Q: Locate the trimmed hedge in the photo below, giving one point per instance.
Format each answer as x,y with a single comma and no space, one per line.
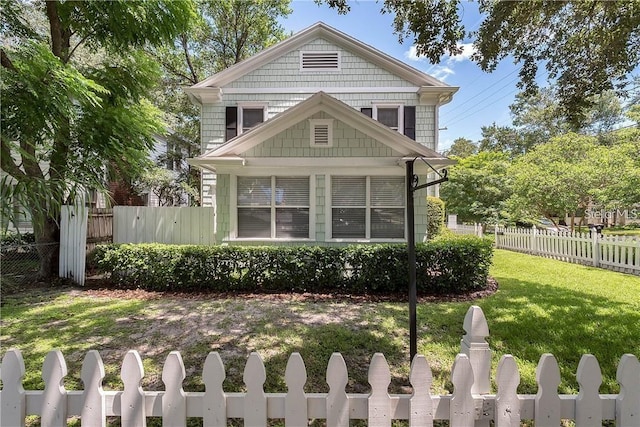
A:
435,216
445,265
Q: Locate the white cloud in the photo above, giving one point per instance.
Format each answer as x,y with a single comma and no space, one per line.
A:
440,72
412,55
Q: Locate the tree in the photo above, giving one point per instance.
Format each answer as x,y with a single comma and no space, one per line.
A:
227,32
462,147
478,187
587,47
504,139
74,104
556,178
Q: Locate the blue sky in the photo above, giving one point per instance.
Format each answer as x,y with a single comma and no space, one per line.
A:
482,99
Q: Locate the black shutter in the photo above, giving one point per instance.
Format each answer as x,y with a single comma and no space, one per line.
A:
367,111
231,122
410,122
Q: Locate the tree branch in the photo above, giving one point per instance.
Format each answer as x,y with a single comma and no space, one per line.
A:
6,62
55,28
7,162
185,48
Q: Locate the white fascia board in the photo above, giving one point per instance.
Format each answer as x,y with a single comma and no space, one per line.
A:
212,164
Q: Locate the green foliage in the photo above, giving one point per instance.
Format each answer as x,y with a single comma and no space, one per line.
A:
74,99
572,171
435,216
452,265
608,31
478,187
461,148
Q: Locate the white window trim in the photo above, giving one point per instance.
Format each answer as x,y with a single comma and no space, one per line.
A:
306,70
367,207
400,108
312,134
243,105
233,210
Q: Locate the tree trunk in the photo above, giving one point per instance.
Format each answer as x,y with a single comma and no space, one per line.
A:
47,237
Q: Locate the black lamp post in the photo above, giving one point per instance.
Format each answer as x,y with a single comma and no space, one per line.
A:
412,187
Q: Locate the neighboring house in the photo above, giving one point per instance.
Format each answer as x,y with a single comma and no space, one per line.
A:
306,142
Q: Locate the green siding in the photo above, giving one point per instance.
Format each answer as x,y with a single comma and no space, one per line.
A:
223,200
296,142
285,72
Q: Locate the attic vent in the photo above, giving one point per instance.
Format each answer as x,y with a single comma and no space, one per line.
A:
319,61
321,132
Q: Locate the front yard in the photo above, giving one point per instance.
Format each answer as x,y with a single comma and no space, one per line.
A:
542,306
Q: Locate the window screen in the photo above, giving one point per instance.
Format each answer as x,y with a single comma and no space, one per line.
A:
271,207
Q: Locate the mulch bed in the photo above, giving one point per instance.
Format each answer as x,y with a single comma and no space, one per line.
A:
99,288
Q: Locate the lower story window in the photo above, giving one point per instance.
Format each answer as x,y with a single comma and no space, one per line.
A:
365,207
273,207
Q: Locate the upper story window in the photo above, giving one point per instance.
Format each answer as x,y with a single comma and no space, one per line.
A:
401,118
321,132
247,115
319,61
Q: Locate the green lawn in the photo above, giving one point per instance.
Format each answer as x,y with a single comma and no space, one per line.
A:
542,306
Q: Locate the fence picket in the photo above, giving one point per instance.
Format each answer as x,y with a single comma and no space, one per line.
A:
588,402
54,402
547,405
507,401
14,402
379,400
462,411
174,403
255,401
337,400
295,402
420,404
92,374
215,401
628,401
132,407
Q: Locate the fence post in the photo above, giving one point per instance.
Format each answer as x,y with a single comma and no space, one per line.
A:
534,240
475,346
595,248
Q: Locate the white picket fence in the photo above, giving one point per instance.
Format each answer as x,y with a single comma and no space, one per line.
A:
618,253
469,405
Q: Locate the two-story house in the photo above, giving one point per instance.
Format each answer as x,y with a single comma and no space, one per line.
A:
306,142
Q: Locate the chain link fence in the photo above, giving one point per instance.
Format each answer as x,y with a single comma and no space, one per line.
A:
20,263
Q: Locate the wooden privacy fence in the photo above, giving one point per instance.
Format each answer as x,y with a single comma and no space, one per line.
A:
469,405
618,253
171,225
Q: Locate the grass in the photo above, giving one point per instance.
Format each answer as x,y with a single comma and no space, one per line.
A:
542,306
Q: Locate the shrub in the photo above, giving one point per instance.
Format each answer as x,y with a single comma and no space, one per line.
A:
435,216
444,265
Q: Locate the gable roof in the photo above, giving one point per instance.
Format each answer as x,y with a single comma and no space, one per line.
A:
320,101
321,30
